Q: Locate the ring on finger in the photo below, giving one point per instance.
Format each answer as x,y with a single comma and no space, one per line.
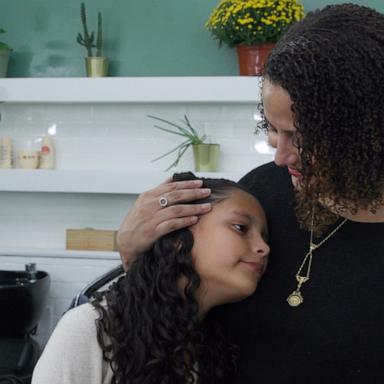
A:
163,201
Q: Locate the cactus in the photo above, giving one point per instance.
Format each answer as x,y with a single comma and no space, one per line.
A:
99,39
88,39
4,46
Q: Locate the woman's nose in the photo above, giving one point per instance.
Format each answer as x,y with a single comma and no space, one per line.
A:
286,153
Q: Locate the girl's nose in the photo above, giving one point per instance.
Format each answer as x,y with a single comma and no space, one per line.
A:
261,248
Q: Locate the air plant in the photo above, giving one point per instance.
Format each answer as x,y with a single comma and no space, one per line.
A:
187,131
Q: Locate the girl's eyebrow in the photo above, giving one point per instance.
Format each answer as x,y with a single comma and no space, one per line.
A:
245,215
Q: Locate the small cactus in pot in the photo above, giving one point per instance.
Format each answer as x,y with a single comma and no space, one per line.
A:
96,65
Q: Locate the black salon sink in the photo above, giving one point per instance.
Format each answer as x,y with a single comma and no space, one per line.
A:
23,296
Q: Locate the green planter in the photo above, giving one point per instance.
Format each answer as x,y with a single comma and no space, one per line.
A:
206,157
4,59
96,66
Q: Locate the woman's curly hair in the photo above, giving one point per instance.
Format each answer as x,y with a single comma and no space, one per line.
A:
150,331
332,66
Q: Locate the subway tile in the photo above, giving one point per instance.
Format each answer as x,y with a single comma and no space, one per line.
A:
234,112
204,112
67,112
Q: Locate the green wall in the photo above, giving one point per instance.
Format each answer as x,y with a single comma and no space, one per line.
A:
142,37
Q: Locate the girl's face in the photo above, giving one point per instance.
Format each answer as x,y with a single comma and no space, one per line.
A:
230,250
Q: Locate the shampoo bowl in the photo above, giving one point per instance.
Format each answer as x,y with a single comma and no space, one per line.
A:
23,296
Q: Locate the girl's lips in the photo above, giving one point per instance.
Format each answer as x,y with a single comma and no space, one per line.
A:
294,172
256,267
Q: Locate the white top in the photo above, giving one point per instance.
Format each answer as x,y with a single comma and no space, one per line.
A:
73,355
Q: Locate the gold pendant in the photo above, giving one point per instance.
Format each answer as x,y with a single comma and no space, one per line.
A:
295,299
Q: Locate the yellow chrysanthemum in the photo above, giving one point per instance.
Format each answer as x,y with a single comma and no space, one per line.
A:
253,21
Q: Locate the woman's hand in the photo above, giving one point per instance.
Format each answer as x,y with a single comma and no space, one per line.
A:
148,220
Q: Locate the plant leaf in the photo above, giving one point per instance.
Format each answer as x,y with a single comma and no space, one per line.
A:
169,130
179,155
190,126
181,129
172,150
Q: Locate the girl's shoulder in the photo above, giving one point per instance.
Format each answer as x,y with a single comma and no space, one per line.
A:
72,354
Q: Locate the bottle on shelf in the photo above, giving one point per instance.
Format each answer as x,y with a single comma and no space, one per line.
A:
47,153
6,152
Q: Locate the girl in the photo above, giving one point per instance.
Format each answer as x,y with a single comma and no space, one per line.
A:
152,325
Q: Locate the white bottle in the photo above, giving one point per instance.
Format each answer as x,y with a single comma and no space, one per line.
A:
47,153
6,152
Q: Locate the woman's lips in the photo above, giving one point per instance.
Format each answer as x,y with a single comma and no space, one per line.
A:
294,172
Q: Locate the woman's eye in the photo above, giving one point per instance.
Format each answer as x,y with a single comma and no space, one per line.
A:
272,139
240,228
271,129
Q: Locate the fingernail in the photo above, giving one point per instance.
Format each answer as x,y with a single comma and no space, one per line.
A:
206,207
205,191
198,183
194,219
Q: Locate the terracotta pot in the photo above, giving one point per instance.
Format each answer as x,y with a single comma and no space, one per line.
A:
252,58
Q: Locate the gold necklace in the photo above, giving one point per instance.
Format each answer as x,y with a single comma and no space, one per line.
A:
296,298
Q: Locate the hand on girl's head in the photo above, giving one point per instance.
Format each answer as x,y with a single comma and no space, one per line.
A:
147,221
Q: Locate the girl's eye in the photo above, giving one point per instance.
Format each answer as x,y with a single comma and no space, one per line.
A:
240,228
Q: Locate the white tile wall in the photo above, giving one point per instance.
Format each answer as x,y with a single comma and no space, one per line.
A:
103,136
121,136
39,220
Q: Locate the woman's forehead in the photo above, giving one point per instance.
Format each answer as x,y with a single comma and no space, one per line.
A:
277,106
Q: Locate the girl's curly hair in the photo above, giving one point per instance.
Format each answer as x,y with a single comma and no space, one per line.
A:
332,65
150,331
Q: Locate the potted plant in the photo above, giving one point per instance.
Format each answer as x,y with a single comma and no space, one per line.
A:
96,65
5,52
253,27
206,156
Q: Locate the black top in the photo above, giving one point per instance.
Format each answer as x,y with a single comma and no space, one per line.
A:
337,334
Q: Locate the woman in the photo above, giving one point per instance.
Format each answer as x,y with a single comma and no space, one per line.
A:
151,326
317,316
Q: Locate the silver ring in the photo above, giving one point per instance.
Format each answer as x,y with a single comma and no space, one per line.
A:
163,201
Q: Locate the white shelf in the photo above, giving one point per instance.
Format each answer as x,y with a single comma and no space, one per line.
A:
89,181
58,253
239,89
